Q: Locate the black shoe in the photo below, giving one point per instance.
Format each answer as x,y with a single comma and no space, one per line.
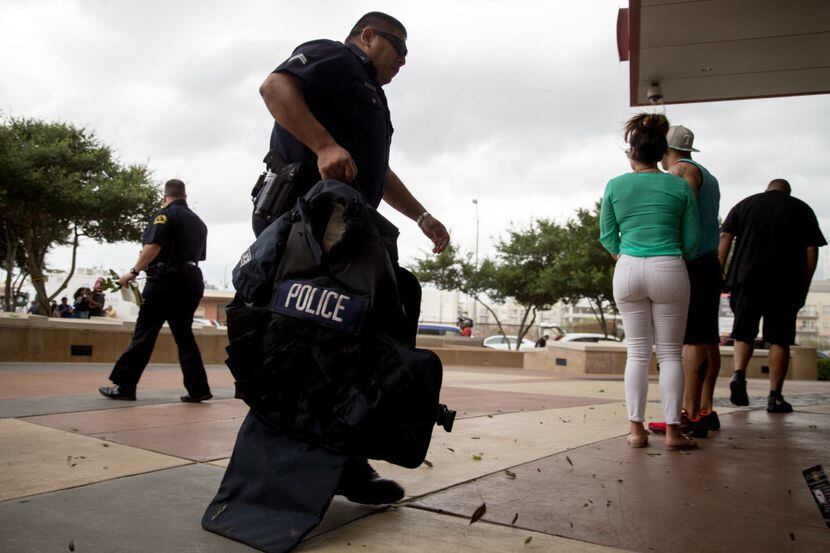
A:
697,428
711,420
361,484
117,392
737,389
778,405
187,398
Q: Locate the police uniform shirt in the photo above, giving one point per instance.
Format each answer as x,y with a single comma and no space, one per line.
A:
181,234
340,86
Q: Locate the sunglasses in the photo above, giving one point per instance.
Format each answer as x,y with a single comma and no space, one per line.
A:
397,43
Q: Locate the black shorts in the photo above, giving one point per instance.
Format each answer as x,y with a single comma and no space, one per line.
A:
778,306
704,300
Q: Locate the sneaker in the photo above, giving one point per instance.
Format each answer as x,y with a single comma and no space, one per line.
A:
696,428
737,389
657,427
778,405
711,420
117,392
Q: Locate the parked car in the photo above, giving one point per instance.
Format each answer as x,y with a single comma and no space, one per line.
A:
499,342
587,337
200,321
436,329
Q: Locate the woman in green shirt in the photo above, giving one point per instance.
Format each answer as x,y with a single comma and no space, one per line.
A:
649,222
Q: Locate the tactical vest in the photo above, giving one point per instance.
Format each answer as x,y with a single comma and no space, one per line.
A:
319,346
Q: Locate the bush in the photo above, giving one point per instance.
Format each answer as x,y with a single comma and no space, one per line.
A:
824,369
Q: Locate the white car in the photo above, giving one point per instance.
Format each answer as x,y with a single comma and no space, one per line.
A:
499,342
200,322
587,337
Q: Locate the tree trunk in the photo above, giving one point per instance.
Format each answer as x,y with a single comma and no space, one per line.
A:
598,314
522,331
33,264
603,321
17,285
493,313
71,272
11,258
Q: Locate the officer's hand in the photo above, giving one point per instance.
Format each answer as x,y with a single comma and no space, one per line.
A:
125,278
436,232
334,162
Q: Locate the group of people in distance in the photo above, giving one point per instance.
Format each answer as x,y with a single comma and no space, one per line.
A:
671,258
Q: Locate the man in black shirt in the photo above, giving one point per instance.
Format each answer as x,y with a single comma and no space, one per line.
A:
174,243
776,251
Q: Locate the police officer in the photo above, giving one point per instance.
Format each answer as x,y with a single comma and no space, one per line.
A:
174,243
331,115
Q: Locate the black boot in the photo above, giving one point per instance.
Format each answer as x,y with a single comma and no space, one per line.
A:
361,484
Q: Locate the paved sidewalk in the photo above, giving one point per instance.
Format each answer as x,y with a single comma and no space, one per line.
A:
545,453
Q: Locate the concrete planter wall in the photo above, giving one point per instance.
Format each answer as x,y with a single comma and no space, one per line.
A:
99,340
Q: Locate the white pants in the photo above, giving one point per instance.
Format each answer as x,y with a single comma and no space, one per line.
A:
652,295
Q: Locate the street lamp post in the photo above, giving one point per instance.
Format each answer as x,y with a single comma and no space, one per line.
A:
475,304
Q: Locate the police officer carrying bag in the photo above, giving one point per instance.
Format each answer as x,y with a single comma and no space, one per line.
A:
322,349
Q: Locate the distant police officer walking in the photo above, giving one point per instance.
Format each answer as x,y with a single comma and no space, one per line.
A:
174,243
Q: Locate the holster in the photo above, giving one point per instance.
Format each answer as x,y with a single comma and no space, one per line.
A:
277,189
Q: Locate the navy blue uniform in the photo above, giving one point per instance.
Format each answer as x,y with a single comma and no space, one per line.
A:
172,293
339,83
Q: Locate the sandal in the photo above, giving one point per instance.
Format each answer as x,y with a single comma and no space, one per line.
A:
637,442
687,443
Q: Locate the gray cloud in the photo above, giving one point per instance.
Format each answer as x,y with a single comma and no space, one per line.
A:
519,107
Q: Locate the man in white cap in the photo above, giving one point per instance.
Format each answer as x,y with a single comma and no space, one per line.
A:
701,353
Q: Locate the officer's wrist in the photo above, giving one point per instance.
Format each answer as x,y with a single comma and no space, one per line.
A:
421,218
134,272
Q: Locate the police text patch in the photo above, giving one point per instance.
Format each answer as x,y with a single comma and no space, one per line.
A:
324,305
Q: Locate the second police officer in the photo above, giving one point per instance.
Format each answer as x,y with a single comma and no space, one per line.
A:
174,243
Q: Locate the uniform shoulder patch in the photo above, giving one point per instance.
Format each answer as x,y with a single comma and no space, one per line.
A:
160,220
246,258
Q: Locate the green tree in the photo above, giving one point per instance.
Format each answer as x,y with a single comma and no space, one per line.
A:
59,183
586,270
454,270
527,269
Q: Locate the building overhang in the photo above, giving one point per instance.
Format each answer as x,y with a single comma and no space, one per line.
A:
710,50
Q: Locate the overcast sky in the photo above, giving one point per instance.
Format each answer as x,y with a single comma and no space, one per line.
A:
522,110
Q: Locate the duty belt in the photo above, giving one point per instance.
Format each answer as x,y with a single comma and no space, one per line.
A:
160,269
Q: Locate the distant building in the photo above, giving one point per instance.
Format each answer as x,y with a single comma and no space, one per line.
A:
813,323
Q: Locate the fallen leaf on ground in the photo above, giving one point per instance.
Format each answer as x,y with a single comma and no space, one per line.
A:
515,518
427,463
510,475
527,541
478,513
569,460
